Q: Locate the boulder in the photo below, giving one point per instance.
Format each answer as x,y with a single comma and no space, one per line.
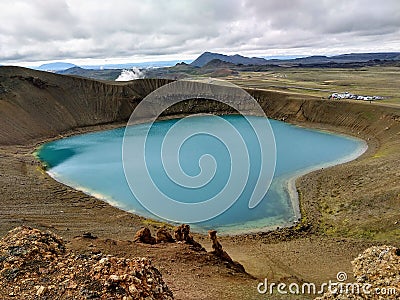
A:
216,245
143,235
182,234
178,233
223,255
163,236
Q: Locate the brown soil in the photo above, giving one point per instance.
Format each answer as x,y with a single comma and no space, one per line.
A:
345,208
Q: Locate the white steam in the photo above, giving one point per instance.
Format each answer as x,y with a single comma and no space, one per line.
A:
127,75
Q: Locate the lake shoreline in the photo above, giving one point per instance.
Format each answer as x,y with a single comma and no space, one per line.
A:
288,186
291,182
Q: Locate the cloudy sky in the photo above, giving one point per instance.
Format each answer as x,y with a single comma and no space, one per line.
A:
94,31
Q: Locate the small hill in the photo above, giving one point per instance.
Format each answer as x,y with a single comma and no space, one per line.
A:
315,59
217,63
362,57
179,71
236,59
106,74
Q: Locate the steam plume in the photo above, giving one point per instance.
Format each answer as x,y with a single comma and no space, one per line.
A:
127,75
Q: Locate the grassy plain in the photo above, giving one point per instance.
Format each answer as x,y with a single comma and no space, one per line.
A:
321,82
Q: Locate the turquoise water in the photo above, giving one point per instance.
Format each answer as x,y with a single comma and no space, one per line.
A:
93,163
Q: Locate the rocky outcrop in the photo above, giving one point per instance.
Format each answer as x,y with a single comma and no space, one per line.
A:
182,234
380,266
217,247
377,273
222,254
178,234
143,235
163,236
36,265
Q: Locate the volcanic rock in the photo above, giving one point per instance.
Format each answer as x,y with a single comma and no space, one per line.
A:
216,245
163,236
182,234
377,271
36,265
143,235
222,254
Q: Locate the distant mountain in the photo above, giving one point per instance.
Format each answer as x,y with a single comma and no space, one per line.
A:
56,66
72,71
315,59
236,59
148,64
61,66
360,57
106,74
207,57
282,57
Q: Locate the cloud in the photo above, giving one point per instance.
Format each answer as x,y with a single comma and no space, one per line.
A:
37,30
127,75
